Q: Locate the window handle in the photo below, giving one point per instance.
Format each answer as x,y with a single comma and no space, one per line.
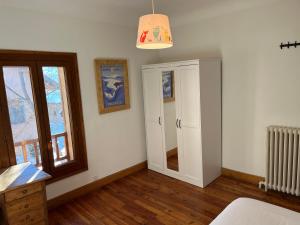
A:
180,124
49,146
177,123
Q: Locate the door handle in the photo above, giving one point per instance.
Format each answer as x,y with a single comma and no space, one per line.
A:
177,123
159,122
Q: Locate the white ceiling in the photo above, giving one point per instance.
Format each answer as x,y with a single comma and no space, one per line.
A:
126,12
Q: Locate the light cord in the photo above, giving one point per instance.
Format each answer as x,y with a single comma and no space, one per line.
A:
153,6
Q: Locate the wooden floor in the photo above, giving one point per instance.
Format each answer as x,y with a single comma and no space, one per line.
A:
151,198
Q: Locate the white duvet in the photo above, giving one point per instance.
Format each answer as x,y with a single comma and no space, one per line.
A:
246,211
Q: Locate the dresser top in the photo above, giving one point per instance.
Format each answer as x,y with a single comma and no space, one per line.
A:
20,175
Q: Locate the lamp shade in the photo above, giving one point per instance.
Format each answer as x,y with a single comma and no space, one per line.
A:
154,32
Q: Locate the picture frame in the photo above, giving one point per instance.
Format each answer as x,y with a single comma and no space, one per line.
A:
112,85
168,86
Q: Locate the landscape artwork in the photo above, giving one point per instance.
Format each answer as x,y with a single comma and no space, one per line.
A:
112,85
168,86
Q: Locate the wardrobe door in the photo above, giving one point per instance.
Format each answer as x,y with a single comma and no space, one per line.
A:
189,123
153,120
189,96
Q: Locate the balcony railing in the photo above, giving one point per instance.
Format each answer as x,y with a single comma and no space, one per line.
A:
60,155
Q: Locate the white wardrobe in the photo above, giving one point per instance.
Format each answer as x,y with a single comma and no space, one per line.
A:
182,103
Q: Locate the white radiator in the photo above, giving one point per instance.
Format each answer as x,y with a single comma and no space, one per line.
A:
283,160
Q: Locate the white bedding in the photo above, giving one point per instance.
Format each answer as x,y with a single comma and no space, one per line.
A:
246,211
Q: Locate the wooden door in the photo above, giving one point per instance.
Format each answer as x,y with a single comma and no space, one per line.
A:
189,131
153,118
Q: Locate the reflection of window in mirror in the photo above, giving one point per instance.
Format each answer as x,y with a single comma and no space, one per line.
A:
168,83
168,86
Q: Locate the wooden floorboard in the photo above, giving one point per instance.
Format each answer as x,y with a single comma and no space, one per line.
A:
151,198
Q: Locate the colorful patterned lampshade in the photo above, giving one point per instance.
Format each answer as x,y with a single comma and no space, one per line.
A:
154,32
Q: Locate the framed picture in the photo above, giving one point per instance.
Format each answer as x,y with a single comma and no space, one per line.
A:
168,86
112,85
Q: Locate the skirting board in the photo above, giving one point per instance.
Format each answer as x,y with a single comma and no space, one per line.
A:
52,203
245,177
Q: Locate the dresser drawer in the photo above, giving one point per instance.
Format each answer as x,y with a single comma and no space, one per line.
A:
28,218
23,192
18,207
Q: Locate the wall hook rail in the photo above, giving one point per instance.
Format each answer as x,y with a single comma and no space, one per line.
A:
289,44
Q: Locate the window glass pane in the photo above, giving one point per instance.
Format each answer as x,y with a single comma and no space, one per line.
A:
22,114
59,117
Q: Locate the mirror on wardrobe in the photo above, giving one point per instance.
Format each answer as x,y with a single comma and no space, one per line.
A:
168,86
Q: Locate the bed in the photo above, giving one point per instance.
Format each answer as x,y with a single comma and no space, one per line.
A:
246,211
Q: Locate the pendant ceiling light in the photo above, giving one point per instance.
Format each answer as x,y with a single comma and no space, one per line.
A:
154,31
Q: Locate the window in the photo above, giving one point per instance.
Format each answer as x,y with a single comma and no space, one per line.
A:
40,112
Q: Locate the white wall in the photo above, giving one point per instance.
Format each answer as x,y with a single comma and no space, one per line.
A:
170,125
114,141
260,81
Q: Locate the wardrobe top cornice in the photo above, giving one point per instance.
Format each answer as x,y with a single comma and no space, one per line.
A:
178,63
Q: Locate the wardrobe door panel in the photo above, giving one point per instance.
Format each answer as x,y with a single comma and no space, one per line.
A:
177,92
189,96
152,95
155,153
192,154
152,104
189,124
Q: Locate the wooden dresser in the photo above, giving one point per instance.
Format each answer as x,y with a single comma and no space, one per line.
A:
23,195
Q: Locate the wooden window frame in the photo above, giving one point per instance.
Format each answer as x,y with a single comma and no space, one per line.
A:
35,60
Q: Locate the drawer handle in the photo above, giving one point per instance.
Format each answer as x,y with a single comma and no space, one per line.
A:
26,206
25,191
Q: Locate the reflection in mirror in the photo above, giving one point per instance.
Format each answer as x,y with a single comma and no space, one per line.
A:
168,83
